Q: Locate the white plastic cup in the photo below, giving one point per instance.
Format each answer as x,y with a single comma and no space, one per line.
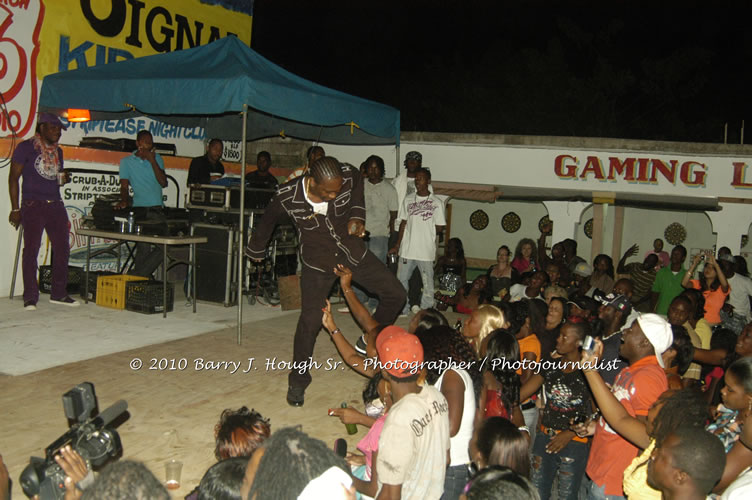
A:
173,468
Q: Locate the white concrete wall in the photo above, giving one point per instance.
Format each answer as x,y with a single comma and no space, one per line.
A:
641,226
530,162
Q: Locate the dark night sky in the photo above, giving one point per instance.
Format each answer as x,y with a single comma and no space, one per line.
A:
633,70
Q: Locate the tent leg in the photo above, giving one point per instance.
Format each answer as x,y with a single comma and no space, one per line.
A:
397,163
15,262
241,250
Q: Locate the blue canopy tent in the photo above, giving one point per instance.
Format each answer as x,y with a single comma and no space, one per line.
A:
231,91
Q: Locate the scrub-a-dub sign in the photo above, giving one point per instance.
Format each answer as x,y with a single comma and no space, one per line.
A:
38,38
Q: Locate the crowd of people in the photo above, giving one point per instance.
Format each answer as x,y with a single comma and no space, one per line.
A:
562,379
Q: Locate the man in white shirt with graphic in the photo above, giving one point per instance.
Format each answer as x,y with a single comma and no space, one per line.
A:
421,217
414,442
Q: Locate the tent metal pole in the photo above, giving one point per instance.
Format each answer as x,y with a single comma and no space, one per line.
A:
242,242
397,163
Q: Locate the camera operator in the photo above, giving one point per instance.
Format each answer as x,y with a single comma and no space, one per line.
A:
77,474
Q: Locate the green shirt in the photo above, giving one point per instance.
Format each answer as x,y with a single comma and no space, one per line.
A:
668,286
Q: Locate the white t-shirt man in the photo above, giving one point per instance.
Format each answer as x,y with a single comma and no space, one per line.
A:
741,289
422,214
413,445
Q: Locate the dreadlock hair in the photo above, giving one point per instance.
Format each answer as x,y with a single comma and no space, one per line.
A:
126,479
379,161
324,169
685,351
223,480
502,345
441,343
239,432
429,318
697,300
291,460
700,455
684,407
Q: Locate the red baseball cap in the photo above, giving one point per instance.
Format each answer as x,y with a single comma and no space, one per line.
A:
400,353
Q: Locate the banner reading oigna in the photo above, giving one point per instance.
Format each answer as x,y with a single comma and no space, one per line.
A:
38,38
90,32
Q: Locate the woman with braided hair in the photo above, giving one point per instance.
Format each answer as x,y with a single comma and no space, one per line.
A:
327,207
444,351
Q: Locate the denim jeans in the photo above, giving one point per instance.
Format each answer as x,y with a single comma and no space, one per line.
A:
457,476
406,267
378,245
595,492
568,465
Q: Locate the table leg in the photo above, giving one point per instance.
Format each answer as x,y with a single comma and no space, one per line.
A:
193,276
88,263
164,280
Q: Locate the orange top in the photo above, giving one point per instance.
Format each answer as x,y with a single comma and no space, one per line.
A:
714,300
529,344
637,387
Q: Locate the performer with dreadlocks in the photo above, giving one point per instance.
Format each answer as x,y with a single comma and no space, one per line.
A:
328,209
39,161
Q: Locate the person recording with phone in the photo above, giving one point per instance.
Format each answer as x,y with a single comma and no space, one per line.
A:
712,283
144,172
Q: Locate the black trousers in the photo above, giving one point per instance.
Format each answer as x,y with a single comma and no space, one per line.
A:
372,274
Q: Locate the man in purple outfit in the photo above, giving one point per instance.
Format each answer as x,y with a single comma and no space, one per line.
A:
39,160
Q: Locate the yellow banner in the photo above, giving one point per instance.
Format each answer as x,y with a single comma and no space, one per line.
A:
81,33
40,37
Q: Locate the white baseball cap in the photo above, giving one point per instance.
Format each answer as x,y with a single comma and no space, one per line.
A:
658,332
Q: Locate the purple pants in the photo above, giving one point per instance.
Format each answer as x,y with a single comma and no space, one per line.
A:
38,216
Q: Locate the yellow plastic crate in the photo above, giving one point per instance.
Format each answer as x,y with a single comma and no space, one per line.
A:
111,290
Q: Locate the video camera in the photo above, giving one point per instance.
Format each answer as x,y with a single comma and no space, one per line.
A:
89,436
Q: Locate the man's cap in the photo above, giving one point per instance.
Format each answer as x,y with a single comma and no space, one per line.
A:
584,302
414,155
51,119
583,269
618,302
399,351
658,332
